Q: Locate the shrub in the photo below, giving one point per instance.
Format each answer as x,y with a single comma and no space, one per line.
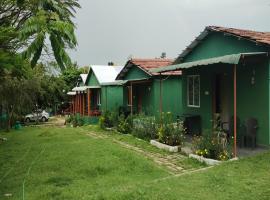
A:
108,120
144,127
170,133
213,144
76,120
124,124
101,122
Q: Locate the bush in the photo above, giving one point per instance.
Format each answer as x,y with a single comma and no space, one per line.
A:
144,127
170,133
77,120
108,120
214,144
124,124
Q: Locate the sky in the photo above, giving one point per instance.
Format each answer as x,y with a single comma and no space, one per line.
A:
115,30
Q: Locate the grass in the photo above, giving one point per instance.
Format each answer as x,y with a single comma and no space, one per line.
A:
65,163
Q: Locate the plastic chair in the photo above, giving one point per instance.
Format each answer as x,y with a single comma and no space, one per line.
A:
228,127
251,128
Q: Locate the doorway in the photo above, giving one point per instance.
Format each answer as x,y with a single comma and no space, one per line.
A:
222,96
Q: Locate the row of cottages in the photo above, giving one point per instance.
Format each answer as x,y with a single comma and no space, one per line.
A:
224,71
131,89
227,71
91,94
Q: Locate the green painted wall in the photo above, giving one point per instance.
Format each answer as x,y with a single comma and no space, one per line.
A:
135,73
171,95
111,97
218,44
252,100
150,92
92,80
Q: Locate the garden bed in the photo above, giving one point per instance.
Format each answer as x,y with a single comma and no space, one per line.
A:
165,146
209,161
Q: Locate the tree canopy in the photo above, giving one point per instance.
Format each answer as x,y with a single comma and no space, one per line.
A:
31,23
26,26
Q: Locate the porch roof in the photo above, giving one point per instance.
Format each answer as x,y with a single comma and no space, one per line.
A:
227,59
71,93
83,88
117,82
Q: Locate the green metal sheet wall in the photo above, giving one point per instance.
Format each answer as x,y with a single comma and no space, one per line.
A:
135,73
111,97
92,80
218,44
171,95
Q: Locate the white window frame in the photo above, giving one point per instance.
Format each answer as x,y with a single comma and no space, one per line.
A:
98,97
129,95
188,102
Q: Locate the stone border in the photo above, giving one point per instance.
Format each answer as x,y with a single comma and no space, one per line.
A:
209,161
165,146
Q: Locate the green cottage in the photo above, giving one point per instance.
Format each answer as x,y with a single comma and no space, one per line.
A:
226,71
150,93
104,93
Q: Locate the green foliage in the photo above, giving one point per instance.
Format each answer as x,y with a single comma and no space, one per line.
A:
213,144
169,132
70,75
101,122
145,127
78,120
108,120
124,124
30,22
19,89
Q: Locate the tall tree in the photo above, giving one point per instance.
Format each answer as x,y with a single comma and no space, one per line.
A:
38,21
51,19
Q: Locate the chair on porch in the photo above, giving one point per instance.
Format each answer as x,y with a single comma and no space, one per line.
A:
228,127
251,127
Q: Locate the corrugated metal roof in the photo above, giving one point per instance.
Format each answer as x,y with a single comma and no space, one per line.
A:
117,82
83,88
255,36
71,93
227,59
104,73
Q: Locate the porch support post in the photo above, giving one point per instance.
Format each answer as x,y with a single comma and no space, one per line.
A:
83,97
77,100
80,103
76,103
89,101
234,109
160,94
131,98
73,104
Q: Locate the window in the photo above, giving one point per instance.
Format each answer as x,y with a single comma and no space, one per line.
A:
98,98
193,90
129,95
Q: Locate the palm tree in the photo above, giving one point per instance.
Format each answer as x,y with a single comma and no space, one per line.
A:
51,20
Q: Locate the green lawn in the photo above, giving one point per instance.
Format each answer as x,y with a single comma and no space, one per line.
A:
65,163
